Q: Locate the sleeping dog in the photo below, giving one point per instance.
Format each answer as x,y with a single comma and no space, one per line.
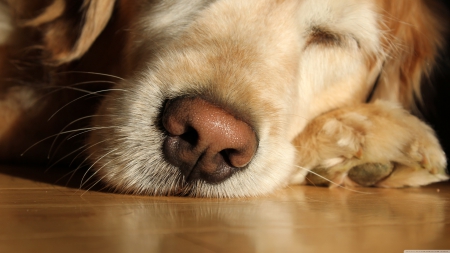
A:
221,98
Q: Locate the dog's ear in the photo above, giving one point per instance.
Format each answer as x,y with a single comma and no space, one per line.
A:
413,37
68,27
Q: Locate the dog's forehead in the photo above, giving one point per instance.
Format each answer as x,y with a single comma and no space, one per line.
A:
359,19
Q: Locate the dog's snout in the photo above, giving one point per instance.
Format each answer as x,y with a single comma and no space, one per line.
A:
205,141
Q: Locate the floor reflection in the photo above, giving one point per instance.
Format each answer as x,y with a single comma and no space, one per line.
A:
302,217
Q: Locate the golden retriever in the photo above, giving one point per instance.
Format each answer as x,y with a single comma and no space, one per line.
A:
221,98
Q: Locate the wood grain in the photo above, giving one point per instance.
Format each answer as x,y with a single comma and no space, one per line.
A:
37,214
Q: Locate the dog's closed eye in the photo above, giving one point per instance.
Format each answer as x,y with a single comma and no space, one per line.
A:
324,37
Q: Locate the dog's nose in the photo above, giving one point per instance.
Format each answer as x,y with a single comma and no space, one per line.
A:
205,141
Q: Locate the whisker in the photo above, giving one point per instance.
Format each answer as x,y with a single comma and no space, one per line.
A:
79,119
85,147
69,131
75,135
70,87
91,73
65,175
93,164
59,146
87,180
81,98
98,181
81,164
62,130
330,181
309,180
85,150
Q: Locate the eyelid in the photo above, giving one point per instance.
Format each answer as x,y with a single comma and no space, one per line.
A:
323,37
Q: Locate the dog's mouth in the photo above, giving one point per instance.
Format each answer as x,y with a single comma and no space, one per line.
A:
205,141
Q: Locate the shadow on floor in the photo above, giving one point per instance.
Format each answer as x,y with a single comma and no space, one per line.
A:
70,177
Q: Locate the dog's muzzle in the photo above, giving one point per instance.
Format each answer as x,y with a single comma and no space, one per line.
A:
205,141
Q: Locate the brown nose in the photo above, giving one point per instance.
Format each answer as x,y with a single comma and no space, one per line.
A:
205,141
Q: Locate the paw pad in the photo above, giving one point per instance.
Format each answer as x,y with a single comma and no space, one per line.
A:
369,174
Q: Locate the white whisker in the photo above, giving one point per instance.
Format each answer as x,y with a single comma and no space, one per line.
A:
93,164
62,130
81,98
53,135
70,87
92,73
75,135
80,166
84,147
98,181
330,181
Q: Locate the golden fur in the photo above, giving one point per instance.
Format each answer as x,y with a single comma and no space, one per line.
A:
298,71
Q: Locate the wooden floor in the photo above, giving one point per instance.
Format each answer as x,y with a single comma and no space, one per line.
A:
39,215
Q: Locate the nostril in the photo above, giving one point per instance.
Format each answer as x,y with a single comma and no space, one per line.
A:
235,157
226,155
205,141
190,136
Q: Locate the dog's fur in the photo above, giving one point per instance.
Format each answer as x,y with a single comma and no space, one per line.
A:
298,71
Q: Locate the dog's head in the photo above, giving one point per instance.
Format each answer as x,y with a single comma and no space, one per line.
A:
219,89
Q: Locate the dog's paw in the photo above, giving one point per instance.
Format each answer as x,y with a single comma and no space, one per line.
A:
376,144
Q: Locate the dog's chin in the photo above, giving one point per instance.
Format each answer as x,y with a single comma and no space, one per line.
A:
126,150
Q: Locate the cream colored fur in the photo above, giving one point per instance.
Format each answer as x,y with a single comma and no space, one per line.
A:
298,71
